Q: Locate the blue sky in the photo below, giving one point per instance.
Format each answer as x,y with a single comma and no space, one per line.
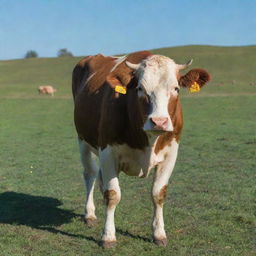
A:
118,26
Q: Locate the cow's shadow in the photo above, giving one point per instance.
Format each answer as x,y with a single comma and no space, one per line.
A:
38,212
43,213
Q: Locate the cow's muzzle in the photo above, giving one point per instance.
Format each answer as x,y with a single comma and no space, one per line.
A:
159,123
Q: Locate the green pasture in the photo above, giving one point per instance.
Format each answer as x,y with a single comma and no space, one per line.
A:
211,203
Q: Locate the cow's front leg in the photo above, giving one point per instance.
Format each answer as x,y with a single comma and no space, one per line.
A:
161,179
112,195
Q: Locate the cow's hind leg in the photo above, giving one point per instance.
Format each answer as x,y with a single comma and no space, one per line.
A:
90,175
112,195
159,191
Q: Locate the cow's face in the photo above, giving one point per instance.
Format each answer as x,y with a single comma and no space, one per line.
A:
157,82
157,89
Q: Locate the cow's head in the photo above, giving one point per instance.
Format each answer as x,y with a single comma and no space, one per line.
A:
158,87
156,81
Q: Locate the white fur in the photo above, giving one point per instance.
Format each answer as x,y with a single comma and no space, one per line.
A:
136,162
140,162
90,174
163,173
110,182
157,77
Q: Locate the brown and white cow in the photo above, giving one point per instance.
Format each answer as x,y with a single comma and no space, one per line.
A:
46,89
132,129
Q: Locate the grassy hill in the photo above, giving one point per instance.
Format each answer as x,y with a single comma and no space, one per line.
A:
210,208
232,69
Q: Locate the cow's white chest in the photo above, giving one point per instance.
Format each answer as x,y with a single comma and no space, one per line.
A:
135,162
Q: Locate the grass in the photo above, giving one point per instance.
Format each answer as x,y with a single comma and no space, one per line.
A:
211,205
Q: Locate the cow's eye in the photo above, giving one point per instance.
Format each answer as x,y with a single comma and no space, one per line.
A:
177,89
139,89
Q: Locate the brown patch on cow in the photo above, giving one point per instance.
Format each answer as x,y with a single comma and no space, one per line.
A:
200,76
88,66
162,141
162,194
122,118
102,116
111,198
78,74
160,198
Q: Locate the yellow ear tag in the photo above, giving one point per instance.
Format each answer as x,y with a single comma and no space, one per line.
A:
195,87
121,89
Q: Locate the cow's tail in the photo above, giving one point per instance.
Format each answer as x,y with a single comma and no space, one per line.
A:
100,181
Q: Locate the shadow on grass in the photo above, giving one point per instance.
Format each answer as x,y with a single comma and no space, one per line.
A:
37,212
43,213
128,234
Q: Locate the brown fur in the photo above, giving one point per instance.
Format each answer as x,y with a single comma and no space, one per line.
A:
175,112
102,118
110,197
123,74
198,75
80,72
159,199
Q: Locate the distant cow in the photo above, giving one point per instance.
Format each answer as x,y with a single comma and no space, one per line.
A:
128,113
46,89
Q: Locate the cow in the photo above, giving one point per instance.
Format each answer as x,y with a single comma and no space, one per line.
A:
46,89
127,112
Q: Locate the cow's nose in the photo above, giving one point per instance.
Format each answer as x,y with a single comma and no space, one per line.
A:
161,123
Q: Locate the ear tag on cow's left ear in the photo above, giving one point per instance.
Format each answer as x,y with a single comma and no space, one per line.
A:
195,87
121,89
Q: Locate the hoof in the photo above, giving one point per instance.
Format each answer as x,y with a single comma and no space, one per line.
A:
108,244
90,222
161,242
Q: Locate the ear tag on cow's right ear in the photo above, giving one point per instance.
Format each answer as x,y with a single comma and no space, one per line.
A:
195,87
121,89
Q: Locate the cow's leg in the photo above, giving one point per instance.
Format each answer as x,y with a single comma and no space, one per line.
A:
90,175
161,179
112,195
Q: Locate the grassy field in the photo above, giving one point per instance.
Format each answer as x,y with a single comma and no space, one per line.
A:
211,203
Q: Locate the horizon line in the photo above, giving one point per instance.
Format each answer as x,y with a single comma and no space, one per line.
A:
153,49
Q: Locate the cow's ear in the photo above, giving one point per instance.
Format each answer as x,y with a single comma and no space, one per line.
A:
121,76
200,76
113,81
